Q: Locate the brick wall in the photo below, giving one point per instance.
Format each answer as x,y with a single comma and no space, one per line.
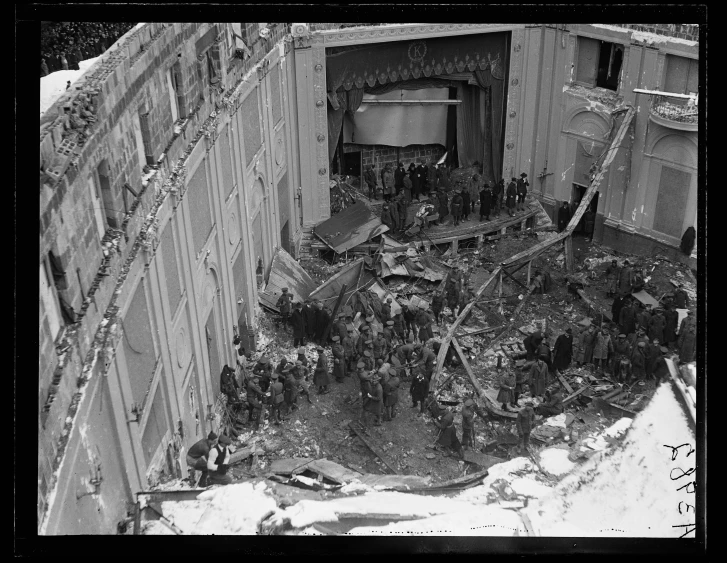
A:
381,155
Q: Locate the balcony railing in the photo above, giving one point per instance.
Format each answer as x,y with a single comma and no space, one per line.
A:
679,110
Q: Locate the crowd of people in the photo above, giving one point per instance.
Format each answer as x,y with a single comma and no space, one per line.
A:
65,44
400,187
395,345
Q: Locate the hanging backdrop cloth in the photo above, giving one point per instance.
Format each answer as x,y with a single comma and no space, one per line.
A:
368,65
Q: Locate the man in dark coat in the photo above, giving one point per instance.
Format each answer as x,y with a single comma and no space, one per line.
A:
621,350
687,244
531,343
448,433
284,305
485,203
443,205
625,279
399,174
522,191
465,205
323,318
255,406
687,340
424,171
417,180
638,361
309,316
419,388
370,179
507,383
298,322
657,325
538,380
563,350
291,392
386,217
627,318
498,190
391,395
589,223
375,402
563,216
443,176
431,176
339,360
401,208
457,203
681,299
618,303
511,197
438,305
321,378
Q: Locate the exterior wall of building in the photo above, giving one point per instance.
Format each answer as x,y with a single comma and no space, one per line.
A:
131,383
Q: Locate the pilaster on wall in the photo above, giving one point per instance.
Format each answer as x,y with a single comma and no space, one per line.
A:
514,88
318,53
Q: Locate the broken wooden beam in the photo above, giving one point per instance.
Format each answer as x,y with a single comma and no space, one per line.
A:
468,369
377,452
335,312
480,331
572,396
563,382
593,306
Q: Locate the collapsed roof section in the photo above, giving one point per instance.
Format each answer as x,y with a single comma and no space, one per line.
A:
352,226
285,272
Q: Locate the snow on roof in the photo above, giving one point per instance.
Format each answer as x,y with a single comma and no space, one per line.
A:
630,484
646,36
53,86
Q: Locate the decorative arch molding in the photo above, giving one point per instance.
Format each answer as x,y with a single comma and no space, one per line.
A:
209,288
673,147
586,121
257,194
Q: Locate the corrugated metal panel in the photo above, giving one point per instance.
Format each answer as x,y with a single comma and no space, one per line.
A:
352,226
286,272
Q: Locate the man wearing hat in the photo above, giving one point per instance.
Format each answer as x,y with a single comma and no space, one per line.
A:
401,202
627,317
553,404
198,454
375,398
408,186
453,287
507,383
284,305
263,368
419,388
386,217
300,372
281,366
660,370
671,319
340,329
370,179
349,352
522,191
380,346
538,377
612,278
388,334
524,423
255,406
618,303
291,392
457,206
643,318
638,361
681,299
602,348
563,216
218,462
360,345
656,326
391,394
368,359
625,281
399,326
511,194
339,359
485,196
443,206
531,343
386,310
410,314
399,175
309,315
448,433
563,350
652,357
466,201
366,387
321,379
323,318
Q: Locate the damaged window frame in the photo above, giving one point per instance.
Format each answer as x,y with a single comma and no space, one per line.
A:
606,75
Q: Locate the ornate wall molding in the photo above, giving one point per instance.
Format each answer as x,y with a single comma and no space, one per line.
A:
378,34
318,54
513,100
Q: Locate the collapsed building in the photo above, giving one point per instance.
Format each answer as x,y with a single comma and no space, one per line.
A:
192,163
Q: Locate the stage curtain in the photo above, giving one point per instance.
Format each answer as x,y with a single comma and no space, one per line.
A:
493,88
470,137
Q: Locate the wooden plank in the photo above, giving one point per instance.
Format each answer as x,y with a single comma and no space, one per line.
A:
376,451
289,465
569,260
468,369
483,460
572,396
333,471
509,275
593,306
395,482
450,333
563,382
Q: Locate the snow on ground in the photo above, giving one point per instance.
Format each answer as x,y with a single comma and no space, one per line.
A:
627,490
53,86
475,521
555,461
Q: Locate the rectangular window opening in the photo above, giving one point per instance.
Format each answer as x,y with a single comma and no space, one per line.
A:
599,63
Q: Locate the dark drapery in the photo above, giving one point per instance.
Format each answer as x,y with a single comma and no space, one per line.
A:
398,61
470,133
494,88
